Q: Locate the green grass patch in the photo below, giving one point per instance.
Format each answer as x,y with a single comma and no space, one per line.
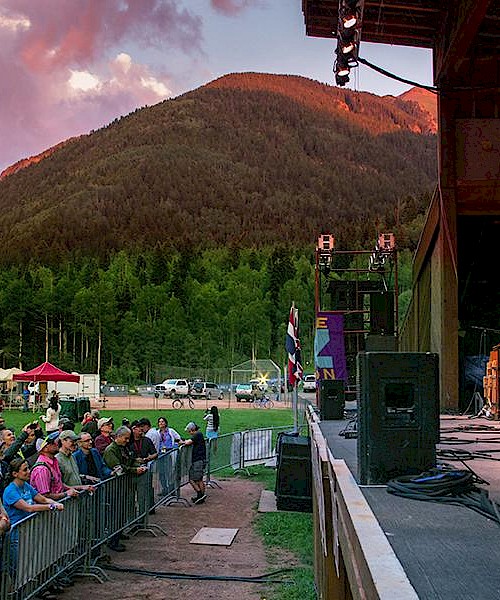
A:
231,419
286,533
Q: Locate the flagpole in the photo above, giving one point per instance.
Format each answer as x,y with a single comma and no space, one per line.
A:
295,402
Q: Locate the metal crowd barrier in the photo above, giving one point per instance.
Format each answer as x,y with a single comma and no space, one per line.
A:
46,545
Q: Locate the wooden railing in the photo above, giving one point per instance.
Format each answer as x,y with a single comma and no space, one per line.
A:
352,557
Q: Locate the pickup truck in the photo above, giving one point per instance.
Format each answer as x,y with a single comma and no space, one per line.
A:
172,388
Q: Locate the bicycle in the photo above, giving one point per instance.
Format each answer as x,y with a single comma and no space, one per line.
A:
263,402
179,402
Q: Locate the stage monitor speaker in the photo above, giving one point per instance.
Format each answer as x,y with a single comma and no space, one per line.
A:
331,399
398,414
382,313
294,474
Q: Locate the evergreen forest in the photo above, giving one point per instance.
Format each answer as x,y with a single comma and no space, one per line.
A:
180,234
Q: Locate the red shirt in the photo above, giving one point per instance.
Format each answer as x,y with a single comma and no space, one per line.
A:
102,442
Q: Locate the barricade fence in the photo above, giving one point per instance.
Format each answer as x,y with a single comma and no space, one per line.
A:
48,544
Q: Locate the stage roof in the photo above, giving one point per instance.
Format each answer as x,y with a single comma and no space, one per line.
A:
412,22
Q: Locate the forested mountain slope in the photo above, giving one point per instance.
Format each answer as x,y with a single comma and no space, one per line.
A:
249,160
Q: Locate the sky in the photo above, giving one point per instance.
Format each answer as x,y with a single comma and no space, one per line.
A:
70,66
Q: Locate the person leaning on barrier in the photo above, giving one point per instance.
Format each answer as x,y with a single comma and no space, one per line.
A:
141,447
117,456
104,439
46,475
67,463
20,498
198,461
91,465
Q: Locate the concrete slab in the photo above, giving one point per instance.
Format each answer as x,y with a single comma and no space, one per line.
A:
267,502
214,536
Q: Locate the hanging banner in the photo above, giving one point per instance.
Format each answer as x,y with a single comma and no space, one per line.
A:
329,347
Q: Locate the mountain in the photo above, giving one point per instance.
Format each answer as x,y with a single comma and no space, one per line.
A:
426,100
247,160
33,160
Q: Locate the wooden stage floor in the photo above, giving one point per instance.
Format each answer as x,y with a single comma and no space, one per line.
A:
448,552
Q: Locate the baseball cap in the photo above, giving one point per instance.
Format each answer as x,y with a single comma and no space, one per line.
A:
191,425
50,439
68,435
104,421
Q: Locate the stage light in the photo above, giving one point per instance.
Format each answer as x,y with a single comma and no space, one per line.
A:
348,48
349,20
341,80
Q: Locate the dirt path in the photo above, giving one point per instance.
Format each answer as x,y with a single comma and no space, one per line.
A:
151,403
233,506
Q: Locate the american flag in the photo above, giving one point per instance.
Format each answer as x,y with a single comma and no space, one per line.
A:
292,345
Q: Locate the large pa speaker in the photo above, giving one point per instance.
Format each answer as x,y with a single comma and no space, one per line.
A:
398,414
331,399
294,474
382,313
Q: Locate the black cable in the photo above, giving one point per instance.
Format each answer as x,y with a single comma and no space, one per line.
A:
170,575
431,88
455,487
367,63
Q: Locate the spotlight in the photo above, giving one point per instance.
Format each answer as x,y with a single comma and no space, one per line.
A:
348,48
349,19
341,80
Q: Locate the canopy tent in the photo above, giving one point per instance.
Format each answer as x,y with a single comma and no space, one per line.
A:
8,374
46,372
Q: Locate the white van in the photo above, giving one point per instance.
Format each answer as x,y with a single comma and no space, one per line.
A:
309,384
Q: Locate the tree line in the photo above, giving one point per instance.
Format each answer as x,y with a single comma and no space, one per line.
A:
125,319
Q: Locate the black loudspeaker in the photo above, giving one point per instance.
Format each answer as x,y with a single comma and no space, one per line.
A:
398,414
343,295
380,343
294,474
331,399
382,313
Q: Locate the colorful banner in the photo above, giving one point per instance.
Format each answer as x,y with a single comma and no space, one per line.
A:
329,348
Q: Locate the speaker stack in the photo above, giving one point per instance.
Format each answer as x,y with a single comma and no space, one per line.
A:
398,414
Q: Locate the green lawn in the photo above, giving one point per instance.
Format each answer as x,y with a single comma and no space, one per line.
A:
232,419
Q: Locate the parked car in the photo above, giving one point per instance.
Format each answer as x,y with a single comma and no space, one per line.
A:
309,384
207,389
247,392
172,388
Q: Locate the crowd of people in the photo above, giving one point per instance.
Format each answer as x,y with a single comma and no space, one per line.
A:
39,468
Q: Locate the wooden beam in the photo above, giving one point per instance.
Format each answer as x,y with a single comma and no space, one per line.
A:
457,36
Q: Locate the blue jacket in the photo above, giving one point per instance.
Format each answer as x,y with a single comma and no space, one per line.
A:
103,471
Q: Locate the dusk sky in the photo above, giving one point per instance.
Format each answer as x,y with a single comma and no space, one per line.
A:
69,66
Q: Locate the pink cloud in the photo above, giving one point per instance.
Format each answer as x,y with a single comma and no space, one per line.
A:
43,43
233,7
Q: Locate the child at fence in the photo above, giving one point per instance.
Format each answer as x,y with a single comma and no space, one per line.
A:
212,430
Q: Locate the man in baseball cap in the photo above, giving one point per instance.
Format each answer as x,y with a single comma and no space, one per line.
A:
198,461
66,460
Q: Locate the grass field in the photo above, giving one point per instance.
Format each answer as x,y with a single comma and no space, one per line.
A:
232,419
